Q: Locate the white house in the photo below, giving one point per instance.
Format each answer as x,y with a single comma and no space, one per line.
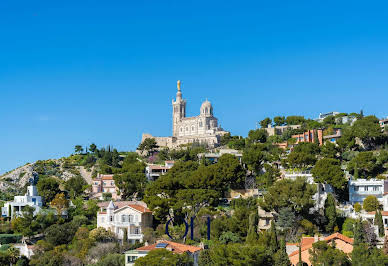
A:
16,207
154,171
130,216
359,189
132,255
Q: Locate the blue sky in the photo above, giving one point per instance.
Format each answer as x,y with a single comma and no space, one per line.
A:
77,72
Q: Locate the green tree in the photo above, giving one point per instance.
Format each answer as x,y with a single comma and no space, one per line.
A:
149,145
92,147
279,120
329,150
254,157
379,222
357,207
270,175
296,194
301,159
329,171
60,203
257,136
155,257
265,122
273,239
48,187
370,204
78,149
330,213
323,254
252,231
76,186
295,120
359,233
366,165
132,181
280,258
367,129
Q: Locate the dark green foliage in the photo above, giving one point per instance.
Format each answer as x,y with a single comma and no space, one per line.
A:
347,227
359,233
330,213
325,254
257,136
364,255
281,257
296,194
111,260
252,231
379,222
149,145
273,239
265,122
329,150
155,257
329,171
132,180
286,218
366,164
76,186
295,120
279,120
9,238
48,187
239,254
265,180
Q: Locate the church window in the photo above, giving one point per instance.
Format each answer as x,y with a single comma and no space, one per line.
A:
206,110
181,129
192,128
187,128
200,123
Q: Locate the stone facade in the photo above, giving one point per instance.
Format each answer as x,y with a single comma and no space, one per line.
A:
202,129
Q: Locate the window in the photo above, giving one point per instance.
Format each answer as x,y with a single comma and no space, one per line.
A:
131,259
187,128
111,218
266,221
366,188
137,231
385,221
356,188
200,124
181,129
192,128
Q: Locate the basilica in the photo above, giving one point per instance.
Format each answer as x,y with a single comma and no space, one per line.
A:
202,129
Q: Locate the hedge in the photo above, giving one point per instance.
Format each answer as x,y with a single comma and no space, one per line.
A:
9,238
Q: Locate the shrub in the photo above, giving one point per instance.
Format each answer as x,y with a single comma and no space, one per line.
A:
370,204
10,238
357,207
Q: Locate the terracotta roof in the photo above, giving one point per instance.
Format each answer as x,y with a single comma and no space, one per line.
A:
175,247
120,204
383,213
158,167
107,177
327,239
139,208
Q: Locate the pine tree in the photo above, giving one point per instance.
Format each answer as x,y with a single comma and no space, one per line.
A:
273,239
355,173
281,257
252,236
330,213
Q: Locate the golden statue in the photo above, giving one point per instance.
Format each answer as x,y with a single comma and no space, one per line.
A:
178,84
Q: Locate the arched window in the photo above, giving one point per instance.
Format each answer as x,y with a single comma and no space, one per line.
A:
181,129
192,128
187,128
206,110
200,123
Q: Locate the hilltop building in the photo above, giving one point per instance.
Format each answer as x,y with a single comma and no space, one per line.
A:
202,129
15,207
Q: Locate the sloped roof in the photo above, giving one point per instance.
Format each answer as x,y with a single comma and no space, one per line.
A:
309,244
174,247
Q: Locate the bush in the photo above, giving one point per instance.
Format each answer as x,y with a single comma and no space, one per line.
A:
10,238
357,207
370,204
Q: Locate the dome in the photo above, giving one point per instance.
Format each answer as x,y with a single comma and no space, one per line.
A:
206,108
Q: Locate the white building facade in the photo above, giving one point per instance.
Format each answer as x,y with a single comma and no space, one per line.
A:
359,189
15,208
132,218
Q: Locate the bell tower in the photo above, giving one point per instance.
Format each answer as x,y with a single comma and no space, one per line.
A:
178,110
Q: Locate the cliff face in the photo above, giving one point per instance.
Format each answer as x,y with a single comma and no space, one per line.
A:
19,177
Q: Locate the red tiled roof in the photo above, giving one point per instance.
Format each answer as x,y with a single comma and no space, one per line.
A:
107,177
383,213
327,239
137,205
139,208
175,247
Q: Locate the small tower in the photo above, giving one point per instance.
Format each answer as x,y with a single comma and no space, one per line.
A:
109,211
178,110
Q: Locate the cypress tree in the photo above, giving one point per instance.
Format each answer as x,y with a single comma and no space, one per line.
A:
281,257
273,239
379,222
359,233
252,236
330,213
355,173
